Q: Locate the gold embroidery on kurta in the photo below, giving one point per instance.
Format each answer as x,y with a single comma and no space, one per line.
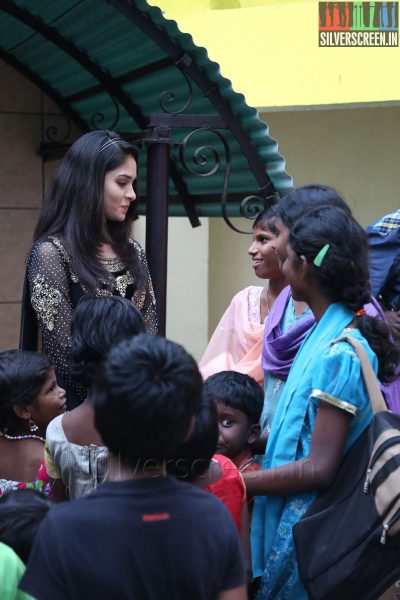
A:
45,301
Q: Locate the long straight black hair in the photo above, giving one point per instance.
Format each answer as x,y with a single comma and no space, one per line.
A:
74,209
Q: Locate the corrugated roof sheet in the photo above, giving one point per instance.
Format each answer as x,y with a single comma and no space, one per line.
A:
114,64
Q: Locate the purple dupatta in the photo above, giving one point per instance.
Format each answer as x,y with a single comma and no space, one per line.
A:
280,349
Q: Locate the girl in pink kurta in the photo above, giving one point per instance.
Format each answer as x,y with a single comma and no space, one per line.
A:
236,344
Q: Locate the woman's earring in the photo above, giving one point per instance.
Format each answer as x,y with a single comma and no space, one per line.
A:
32,425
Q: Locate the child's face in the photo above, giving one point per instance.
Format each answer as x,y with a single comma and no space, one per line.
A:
235,433
50,403
264,258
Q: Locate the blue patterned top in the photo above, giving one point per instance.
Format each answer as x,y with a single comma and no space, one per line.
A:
273,386
319,371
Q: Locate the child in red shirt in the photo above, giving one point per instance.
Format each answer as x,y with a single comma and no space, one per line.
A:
196,462
239,400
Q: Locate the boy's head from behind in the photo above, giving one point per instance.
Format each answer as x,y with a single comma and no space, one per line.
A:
239,400
98,324
193,457
21,513
144,399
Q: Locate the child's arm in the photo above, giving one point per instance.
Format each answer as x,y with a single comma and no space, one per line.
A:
314,472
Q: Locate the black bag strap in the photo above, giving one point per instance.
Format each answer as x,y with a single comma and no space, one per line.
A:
377,400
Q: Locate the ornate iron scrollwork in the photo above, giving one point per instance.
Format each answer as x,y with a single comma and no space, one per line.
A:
203,155
55,134
209,160
52,133
98,119
169,97
251,206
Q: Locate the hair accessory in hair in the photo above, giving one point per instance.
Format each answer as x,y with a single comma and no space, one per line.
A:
321,255
360,312
110,142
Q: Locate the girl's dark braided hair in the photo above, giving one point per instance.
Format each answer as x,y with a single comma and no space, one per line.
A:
343,275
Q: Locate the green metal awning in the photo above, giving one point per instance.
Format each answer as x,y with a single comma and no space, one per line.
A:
119,64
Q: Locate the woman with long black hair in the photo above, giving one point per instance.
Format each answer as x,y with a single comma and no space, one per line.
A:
83,246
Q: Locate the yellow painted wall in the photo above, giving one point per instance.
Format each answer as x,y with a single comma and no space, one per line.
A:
356,150
269,50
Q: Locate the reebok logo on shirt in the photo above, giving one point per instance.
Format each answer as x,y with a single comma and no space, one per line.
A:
146,518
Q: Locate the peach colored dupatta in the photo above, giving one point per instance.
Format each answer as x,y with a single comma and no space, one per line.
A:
236,344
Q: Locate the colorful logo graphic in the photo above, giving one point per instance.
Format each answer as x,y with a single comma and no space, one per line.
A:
358,24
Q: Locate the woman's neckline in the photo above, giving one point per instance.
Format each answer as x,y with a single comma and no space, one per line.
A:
306,310
107,252
113,260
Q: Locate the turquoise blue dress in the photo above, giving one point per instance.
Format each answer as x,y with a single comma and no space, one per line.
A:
319,372
273,386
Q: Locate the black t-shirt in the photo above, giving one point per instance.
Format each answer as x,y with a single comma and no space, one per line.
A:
142,540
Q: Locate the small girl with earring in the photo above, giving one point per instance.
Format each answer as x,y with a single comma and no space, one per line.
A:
29,399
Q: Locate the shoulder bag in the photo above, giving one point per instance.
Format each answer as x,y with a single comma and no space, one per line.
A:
348,542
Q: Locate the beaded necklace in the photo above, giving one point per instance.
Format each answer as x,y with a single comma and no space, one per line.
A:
26,436
246,464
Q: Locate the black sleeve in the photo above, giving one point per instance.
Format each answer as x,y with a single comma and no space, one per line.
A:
44,578
145,299
50,280
49,290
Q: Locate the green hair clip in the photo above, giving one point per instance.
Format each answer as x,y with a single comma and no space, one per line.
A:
321,255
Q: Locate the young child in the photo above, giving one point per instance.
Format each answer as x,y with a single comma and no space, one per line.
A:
21,512
29,399
75,453
239,400
142,534
196,462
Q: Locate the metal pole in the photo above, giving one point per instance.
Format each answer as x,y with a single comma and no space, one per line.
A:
157,224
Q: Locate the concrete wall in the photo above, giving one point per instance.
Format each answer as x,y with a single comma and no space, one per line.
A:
21,189
229,267
356,150
187,286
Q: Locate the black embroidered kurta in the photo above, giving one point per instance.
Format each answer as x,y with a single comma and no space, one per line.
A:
55,290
